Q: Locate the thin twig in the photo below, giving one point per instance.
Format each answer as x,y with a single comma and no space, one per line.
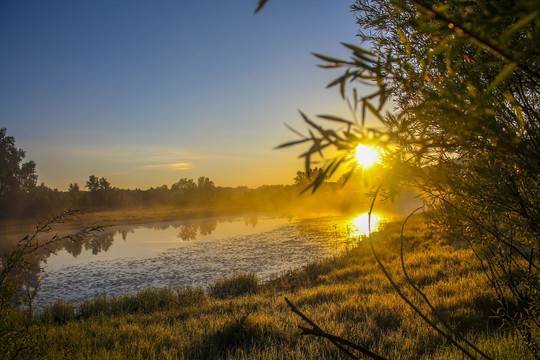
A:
492,48
425,298
400,293
336,340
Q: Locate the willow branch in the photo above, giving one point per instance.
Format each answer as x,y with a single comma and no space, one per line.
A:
492,48
400,293
424,296
336,340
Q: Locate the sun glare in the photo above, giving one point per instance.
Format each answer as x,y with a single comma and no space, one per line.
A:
366,156
361,224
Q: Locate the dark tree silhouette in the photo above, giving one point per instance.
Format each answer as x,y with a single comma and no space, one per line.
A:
92,184
305,178
184,185
15,176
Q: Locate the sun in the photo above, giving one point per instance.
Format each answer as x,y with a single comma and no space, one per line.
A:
366,156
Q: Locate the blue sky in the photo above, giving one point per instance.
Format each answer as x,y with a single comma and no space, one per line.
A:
147,92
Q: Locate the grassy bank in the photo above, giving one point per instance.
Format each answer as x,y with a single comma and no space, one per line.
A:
241,319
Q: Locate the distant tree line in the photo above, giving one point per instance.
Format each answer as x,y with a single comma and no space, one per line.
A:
22,197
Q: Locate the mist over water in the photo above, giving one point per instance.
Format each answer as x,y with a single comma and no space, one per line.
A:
191,253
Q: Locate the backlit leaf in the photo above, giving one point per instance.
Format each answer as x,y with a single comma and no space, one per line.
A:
260,5
501,76
334,118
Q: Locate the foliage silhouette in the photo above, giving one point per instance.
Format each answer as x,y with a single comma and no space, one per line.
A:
17,179
465,131
20,336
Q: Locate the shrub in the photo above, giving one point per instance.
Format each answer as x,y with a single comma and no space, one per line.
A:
237,285
58,313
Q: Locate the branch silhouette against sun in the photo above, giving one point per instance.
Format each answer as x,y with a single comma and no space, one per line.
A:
464,131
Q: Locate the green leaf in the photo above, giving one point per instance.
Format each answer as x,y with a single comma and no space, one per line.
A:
294,131
334,118
340,80
505,37
332,66
357,49
318,180
342,84
337,165
350,137
360,53
315,126
501,76
405,41
348,176
516,108
373,110
291,143
331,59
363,113
260,5
308,163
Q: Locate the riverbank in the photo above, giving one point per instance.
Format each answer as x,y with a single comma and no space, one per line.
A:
12,232
304,205
121,217
347,296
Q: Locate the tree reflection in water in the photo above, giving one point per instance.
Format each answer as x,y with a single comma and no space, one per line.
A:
191,230
125,232
207,227
251,220
188,232
100,242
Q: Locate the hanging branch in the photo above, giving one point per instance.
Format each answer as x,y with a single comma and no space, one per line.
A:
425,298
336,340
400,293
492,48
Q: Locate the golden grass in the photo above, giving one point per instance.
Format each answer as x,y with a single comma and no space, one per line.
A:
347,296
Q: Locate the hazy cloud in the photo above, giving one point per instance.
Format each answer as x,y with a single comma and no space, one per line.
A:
172,166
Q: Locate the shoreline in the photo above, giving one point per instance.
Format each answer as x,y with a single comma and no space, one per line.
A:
108,218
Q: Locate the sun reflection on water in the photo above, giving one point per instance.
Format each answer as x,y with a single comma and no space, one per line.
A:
360,225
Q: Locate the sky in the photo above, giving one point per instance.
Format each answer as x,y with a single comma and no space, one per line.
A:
144,93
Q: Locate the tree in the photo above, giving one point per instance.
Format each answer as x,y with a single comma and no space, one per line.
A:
74,194
74,188
15,176
92,184
104,185
184,185
205,185
100,191
464,79
305,178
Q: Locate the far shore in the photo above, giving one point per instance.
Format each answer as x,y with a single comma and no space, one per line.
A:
10,229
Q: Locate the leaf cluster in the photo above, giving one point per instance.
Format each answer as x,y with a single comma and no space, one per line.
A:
463,80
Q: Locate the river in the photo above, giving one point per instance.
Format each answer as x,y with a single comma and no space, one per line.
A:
127,259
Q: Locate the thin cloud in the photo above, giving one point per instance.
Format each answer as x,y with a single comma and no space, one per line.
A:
172,166
138,155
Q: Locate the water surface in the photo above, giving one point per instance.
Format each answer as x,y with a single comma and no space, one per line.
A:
127,259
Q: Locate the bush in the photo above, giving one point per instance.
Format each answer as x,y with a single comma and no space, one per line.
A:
237,285
58,313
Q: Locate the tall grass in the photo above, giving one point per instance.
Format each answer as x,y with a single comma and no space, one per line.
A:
347,295
237,285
